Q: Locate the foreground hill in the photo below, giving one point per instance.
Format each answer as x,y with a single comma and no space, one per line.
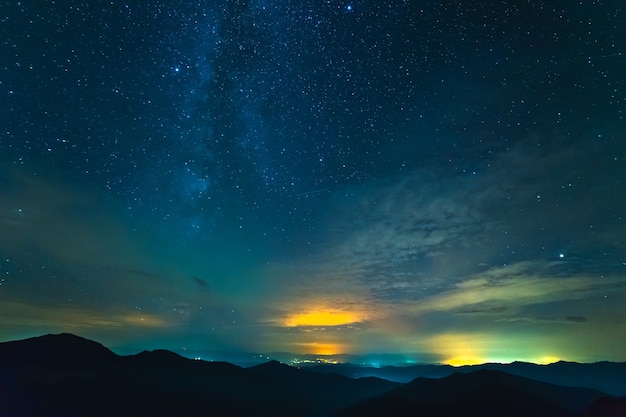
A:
65,375
71,376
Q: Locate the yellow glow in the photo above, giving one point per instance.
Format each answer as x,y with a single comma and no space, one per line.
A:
321,318
461,349
462,361
546,360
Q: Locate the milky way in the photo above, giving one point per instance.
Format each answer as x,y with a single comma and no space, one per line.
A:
441,181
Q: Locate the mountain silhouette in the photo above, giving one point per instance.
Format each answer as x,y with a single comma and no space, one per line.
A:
608,377
66,375
325,392
61,350
71,376
483,393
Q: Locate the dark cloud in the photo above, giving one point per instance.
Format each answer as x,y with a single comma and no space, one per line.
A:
576,319
202,283
492,310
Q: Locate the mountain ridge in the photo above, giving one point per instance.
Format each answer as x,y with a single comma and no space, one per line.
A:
70,375
482,393
73,376
605,376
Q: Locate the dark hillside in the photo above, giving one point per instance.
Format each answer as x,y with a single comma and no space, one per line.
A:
481,393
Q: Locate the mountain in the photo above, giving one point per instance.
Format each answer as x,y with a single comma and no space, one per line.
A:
609,377
61,350
66,375
401,374
483,393
326,392
71,376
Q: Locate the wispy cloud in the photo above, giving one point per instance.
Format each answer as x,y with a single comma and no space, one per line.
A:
73,223
25,316
486,252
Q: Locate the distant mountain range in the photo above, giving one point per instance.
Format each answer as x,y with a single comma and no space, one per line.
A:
66,375
481,393
609,377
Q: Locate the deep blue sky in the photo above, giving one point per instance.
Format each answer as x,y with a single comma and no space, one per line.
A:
441,180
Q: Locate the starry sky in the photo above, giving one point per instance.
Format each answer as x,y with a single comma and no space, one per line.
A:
444,181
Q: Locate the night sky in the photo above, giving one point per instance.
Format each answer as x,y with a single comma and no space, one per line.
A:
442,181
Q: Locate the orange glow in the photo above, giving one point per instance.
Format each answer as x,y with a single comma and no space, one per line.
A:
321,318
326,349
322,348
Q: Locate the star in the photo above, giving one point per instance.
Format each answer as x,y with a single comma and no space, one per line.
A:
314,165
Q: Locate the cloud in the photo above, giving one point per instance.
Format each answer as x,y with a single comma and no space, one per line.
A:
491,310
427,252
202,283
61,218
71,248
555,320
422,233
394,262
576,319
517,285
27,315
